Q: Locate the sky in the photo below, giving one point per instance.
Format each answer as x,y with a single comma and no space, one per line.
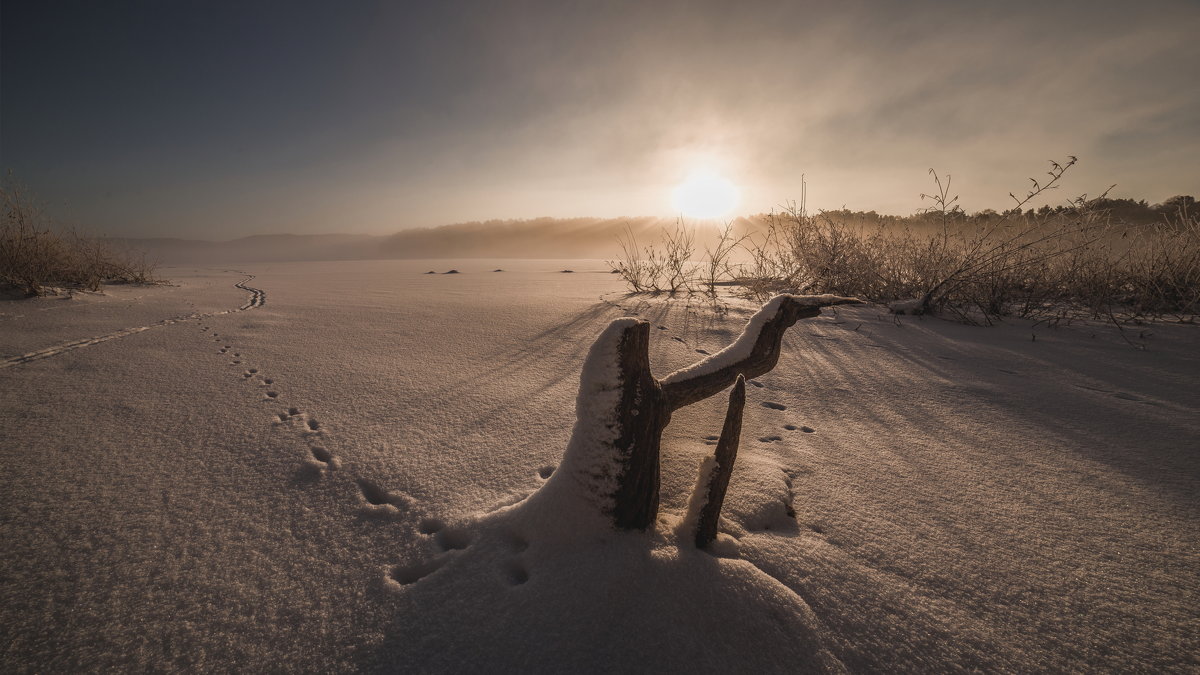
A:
215,120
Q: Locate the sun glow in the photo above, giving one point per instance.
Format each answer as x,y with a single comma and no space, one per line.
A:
705,194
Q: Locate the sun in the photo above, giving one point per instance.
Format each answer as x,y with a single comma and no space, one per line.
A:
704,195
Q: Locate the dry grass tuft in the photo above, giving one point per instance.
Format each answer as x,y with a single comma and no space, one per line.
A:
1072,261
36,259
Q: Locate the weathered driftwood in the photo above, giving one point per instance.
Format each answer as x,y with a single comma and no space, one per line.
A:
761,360
646,404
642,413
718,480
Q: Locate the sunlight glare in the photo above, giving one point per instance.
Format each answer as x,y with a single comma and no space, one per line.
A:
705,195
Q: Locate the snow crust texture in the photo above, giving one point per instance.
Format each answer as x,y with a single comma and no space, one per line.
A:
367,474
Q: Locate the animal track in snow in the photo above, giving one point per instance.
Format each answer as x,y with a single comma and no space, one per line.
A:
375,495
773,405
410,574
807,430
453,539
790,427
87,342
515,573
517,543
322,455
1124,396
430,525
258,297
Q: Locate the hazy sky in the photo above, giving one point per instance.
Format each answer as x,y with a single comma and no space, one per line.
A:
214,120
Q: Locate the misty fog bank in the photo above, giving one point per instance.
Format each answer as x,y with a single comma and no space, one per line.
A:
601,238
537,238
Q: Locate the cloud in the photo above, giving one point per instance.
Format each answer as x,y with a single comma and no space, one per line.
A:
374,118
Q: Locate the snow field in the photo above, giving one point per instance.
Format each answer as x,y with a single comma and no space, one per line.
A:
340,479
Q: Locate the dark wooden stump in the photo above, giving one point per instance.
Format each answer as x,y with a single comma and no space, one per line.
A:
643,414
646,404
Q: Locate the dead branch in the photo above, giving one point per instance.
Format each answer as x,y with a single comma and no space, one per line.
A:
718,482
645,404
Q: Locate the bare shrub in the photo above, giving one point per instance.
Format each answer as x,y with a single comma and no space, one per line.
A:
1157,270
633,266
977,268
35,258
717,265
678,272
665,266
1071,260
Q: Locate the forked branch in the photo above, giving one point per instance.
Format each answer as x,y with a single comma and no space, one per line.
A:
622,409
754,353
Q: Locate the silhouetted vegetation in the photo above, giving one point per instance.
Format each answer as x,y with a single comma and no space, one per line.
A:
36,258
1116,259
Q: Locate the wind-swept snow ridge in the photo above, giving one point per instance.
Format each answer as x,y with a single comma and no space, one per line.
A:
743,346
258,298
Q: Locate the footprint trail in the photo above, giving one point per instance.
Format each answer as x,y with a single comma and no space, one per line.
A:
258,298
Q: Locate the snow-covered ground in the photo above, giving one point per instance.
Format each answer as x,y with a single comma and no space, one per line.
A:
328,476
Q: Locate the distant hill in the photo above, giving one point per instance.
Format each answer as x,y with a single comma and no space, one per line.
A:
562,237
258,248
536,238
